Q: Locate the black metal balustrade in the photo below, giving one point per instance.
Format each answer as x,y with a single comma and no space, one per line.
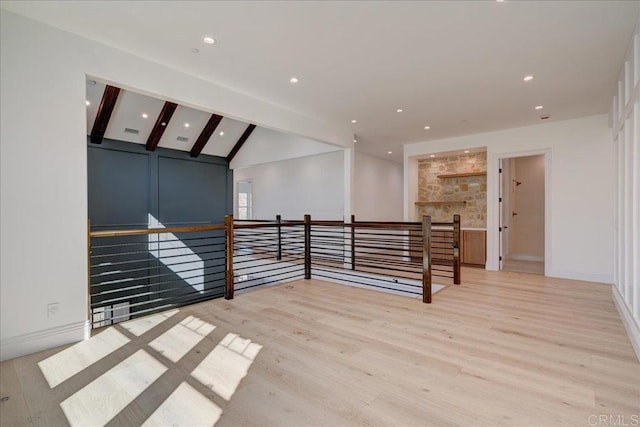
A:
138,272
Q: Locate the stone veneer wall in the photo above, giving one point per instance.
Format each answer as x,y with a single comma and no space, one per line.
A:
472,189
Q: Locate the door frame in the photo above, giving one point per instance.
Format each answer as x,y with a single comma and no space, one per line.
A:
493,206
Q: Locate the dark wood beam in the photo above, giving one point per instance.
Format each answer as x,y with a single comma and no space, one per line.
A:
206,133
105,109
161,125
240,143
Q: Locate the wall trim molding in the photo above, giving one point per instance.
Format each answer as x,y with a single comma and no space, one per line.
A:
33,342
630,325
525,257
606,278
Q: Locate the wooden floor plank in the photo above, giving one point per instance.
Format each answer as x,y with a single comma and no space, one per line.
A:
500,349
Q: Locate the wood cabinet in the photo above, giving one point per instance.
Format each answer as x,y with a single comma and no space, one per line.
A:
473,247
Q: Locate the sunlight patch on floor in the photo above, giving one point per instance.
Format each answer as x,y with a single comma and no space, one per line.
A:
101,400
186,406
62,366
142,325
227,364
180,339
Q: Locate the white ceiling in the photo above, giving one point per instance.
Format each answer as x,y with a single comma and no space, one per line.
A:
128,111
456,66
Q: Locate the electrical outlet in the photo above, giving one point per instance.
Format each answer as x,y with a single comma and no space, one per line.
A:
53,309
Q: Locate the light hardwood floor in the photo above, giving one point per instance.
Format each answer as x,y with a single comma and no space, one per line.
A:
500,349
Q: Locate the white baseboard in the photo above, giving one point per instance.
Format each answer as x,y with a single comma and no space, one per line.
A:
579,275
524,257
632,327
43,340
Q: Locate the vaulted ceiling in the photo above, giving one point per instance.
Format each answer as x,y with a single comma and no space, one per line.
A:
455,66
138,118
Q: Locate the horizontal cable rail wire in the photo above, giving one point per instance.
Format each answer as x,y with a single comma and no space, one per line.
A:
267,252
142,271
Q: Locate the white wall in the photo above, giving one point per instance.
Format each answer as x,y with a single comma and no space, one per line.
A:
292,188
44,166
266,146
377,189
580,167
626,127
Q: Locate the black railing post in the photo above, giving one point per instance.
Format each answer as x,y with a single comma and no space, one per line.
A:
307,246
456,249
353,243
279,252
426,259
228,291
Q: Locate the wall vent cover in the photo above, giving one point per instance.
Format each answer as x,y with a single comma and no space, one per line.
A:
182,139
129,130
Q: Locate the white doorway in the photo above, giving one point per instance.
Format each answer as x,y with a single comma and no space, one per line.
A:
245,200
522,214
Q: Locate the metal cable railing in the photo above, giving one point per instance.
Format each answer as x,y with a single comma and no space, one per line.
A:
142,271
138,272
267,253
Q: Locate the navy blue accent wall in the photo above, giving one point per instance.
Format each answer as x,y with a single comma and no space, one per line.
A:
126,183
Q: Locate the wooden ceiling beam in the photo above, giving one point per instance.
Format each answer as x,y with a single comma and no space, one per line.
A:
109,98
240,143
161,124
206,133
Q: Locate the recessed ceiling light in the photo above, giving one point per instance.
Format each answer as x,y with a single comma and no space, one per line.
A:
355,140
432,156
499,1
221,133
528,78
539,107
354,121
293,80
163,124
145,115
389,152
186,125
209,40
399,110
195,50
427,127
466,151
87,102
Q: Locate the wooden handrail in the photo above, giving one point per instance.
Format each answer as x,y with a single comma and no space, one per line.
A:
266,225
388,222
143,231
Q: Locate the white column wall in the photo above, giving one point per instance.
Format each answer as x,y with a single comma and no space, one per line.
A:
626,125
377,189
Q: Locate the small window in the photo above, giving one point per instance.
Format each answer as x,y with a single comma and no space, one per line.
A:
245,203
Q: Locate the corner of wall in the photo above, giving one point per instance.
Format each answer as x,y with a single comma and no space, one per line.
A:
44,340
632,328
